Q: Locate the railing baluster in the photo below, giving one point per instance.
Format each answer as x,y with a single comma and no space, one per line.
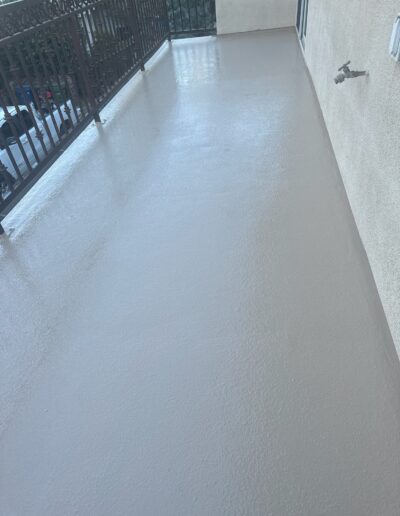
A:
197,17
133,7
83,68
39,108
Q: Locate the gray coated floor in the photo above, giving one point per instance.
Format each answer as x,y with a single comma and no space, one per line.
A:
217,345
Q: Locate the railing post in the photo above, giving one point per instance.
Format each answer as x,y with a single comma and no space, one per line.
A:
83,66
133,8
9,180
167,20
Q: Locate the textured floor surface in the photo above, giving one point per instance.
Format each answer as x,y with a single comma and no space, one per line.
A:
191,326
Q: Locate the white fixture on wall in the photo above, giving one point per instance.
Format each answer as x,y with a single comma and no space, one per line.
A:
394,48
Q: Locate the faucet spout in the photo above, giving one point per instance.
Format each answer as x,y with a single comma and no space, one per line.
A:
346,73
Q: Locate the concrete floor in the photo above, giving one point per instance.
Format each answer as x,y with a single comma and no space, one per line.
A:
199,332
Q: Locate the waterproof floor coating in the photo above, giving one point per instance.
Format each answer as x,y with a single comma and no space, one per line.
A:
190,326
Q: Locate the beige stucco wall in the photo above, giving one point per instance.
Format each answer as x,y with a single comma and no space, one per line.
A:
242,16
363,119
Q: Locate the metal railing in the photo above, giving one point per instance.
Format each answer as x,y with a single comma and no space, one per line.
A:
191,17
61,61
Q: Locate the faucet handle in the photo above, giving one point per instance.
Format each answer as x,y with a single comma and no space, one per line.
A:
346,65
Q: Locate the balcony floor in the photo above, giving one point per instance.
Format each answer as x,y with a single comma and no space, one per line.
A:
189,322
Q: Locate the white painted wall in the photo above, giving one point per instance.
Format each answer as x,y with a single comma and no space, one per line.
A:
363,119
248,15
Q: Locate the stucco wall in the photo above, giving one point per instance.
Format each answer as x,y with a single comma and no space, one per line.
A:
363,119
242,16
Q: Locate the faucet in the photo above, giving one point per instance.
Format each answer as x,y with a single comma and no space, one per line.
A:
346,73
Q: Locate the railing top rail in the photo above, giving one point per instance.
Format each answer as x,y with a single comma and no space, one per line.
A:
24,15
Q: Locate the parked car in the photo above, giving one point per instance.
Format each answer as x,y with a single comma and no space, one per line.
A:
58,121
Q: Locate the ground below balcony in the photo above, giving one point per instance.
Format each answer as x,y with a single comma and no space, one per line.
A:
189,322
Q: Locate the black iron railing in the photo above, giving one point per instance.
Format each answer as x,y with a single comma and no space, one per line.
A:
62,60
191,17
